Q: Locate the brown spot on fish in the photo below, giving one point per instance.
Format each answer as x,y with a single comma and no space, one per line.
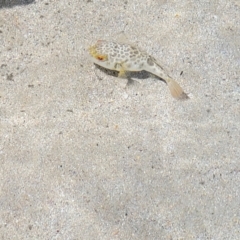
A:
150,61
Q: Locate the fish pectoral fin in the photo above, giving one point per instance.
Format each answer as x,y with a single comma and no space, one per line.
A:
122,72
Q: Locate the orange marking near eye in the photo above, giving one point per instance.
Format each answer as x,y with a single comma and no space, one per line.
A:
101,57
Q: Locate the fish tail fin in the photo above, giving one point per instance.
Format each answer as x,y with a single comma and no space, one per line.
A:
175,89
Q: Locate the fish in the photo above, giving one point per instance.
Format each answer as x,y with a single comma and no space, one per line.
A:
126,58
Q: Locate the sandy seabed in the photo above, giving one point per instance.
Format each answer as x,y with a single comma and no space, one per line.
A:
84,155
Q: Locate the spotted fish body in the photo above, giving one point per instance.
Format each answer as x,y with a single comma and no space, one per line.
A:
127,58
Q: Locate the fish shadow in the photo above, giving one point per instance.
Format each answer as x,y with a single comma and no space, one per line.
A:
12,3
141,75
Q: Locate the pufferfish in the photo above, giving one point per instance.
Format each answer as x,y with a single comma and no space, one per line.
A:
126,58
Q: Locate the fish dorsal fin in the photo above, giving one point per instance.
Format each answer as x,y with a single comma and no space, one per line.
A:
121,37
